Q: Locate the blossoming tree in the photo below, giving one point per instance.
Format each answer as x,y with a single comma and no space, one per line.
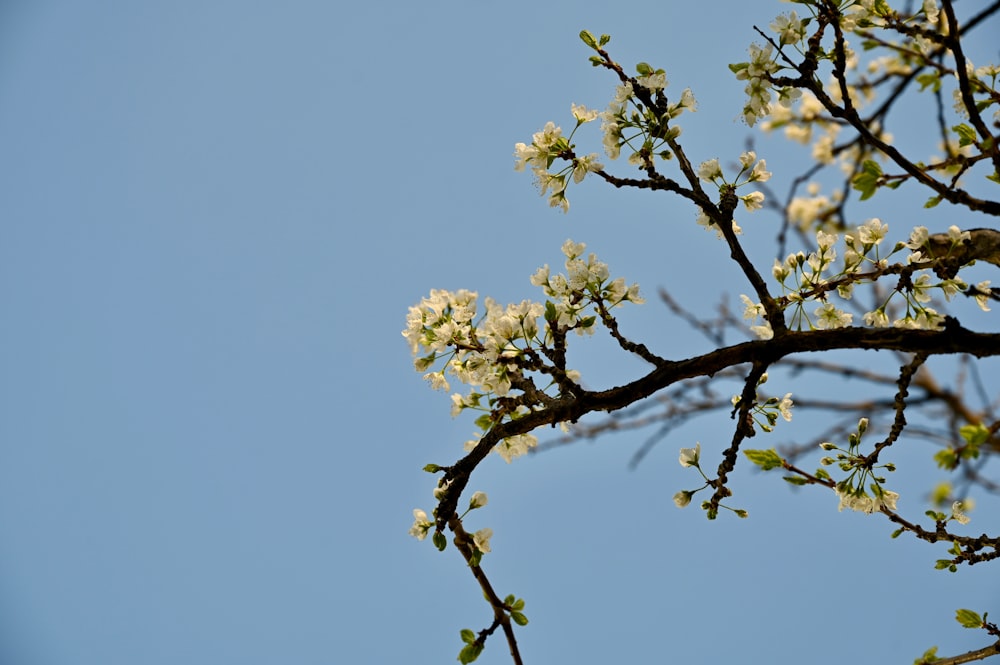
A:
857,284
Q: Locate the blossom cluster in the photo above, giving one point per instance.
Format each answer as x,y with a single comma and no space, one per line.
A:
852,491
643,130
646,132
495,352
549,145
751,170
480,539
801,115
812,277
691,457
770,409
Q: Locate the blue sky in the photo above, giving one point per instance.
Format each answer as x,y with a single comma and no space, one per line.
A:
214,217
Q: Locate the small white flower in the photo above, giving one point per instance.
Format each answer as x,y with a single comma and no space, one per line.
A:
982,294
479,499
573,249
421,525
583,114
516,446
753,201
958,512
785,407
688,101
751,310
885,498
918,237
829,317
873,231
653,81
790,28
682,498
760,172
859,502
709,170
763,331
931,11
690,456
584,165
877,319
481,539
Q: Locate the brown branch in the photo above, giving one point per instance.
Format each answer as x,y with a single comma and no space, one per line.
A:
464,544
970,656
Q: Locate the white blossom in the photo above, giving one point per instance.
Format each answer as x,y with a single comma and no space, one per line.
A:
421,525
481,539
690,456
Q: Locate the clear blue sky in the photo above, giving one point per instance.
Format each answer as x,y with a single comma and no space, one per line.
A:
213,217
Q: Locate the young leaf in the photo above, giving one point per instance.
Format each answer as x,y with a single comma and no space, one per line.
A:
968,619
975,435
929,657
866,184
765,459
469,653
966,134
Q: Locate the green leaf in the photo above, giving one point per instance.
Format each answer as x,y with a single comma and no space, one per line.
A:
794,480
932,202
866,183
995,177
432,468
968,619
897,533
975,435
946,458
517,605
476,557
596,60
822,474
509,600
605,39
484,422
765,459
966,134
929,657
551,313
468,636
932,79
469,653
440,541
738,67
519,618
644,69
881,8
588,39
871,166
